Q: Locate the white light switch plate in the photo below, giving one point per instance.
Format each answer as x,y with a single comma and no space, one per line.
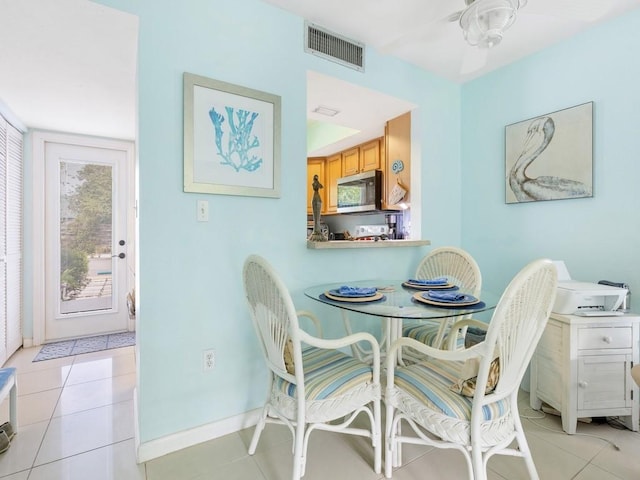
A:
203,211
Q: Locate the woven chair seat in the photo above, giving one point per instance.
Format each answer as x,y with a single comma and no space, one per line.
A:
327,374
335,385
430,382
427,332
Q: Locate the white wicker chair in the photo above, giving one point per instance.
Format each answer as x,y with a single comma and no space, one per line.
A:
326,388
460,269
485,423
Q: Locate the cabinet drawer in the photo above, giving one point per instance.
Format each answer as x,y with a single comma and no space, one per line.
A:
605,337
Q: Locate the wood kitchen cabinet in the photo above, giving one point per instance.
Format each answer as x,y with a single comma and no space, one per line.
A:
315,166
333,171
351,161
397,147
363,158
370,156
582,368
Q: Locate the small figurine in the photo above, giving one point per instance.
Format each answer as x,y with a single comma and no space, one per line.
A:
316,204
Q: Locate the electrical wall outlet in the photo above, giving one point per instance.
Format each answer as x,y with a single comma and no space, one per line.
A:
208,360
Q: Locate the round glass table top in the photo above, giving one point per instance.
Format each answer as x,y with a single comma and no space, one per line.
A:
394,299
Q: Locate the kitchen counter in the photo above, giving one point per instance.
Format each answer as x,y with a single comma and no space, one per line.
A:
336,244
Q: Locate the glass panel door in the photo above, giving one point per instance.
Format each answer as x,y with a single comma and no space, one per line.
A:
86,236
86,226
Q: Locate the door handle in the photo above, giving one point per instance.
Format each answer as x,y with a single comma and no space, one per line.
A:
120,255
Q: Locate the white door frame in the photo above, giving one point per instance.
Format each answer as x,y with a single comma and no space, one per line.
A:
38,155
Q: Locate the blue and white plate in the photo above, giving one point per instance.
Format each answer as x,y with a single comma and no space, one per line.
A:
454,298
373,298
417,286
434,282
466,302
354,292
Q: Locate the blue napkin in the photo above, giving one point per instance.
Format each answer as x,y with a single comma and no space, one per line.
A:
447,296
356,291
433,281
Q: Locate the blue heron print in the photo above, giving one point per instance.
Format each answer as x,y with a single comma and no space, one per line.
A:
237,150
546,187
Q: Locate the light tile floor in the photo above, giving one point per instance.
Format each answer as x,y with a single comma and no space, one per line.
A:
76,423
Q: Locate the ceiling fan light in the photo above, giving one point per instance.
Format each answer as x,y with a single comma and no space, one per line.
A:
484,21
490,39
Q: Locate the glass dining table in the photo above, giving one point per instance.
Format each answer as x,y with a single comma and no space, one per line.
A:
395,301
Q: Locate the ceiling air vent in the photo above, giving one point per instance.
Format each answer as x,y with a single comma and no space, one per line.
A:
333,47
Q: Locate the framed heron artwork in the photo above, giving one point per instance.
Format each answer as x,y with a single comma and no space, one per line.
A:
550,157
231,139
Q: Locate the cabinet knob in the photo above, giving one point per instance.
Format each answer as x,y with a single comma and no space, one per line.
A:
606,339
583,384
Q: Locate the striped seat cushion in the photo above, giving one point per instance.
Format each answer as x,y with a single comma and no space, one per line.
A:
426,333
327,373
429,382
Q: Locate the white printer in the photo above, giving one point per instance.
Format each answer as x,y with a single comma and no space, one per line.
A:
586,299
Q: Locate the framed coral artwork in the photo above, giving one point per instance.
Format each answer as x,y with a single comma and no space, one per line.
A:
550,157
231,139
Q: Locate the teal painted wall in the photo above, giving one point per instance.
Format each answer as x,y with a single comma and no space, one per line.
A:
190,295
190,289
596,237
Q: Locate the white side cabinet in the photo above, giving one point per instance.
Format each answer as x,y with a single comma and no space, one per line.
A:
582,368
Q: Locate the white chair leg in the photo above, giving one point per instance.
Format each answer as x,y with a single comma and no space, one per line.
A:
377,437
388,460
478,467
258,431
299,458
523,446
397,452
389,443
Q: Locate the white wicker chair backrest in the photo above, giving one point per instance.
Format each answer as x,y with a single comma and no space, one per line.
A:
516,327
455,264
273,315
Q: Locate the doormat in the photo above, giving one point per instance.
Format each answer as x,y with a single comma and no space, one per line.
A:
67,348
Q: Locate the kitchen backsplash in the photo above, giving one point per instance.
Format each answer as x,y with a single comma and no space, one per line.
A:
342,223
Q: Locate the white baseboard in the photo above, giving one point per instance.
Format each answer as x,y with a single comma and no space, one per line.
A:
27,342
187,438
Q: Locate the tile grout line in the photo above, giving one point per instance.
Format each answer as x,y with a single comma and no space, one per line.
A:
78,454
64,385
50,419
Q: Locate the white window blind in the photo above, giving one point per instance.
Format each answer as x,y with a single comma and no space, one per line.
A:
3,239
11,246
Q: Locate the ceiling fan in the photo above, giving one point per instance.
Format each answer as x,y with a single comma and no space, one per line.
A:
483,23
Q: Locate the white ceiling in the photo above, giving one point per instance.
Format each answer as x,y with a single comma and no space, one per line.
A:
360,109
419,31
70,65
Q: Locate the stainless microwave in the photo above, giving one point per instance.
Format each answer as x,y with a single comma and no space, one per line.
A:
360,193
